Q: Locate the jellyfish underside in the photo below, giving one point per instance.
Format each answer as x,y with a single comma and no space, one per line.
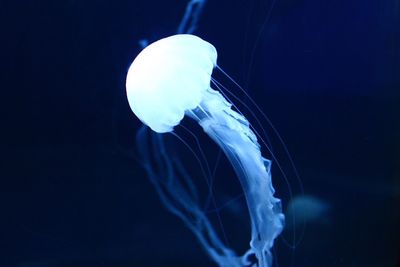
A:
168,80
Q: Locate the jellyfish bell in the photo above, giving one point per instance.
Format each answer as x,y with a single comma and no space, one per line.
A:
170,79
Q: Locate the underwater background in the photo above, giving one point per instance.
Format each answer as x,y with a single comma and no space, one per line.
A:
72,188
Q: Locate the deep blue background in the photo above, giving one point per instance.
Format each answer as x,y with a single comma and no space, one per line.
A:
327,73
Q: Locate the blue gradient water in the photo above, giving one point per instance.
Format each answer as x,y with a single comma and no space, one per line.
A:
73,192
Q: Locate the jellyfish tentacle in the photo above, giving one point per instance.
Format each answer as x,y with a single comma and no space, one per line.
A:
181,200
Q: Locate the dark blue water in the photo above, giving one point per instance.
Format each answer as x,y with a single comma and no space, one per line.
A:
72,191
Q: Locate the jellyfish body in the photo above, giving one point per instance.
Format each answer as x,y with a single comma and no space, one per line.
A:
170,79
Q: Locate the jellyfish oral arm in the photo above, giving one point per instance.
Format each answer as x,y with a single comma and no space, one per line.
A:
232,133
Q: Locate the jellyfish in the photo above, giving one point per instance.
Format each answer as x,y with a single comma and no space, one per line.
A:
171,79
